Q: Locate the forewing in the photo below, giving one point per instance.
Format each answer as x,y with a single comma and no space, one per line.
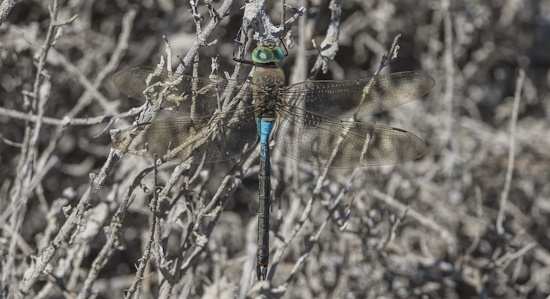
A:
327,142
365,96
210,139
184,94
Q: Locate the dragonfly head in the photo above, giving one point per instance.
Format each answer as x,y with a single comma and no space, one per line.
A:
267,52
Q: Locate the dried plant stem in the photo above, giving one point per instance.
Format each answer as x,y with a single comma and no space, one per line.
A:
205,33
65,122
511,153
329,45
314,239
449,71
154,206
97,180
5,8
22,190
417,216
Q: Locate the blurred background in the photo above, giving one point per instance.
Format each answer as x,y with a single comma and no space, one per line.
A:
76,220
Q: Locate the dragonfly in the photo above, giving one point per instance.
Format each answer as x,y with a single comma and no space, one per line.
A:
220,119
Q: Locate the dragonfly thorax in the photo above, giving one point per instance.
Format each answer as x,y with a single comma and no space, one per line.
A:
267,85
268,77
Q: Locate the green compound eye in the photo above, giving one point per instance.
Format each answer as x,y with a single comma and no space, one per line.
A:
262,55
278,54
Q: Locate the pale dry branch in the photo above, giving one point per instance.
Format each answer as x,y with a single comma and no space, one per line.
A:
5,7
511,152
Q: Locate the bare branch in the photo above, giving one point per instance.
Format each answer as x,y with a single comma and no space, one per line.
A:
5,8
511,153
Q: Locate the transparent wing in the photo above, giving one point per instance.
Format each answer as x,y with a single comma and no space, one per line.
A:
327,142
215,138
365,96
184,94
